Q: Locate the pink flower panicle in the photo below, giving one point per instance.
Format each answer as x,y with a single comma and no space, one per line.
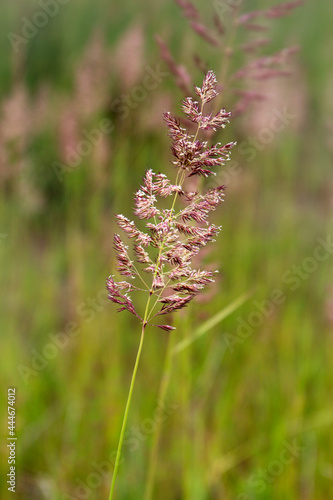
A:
173,237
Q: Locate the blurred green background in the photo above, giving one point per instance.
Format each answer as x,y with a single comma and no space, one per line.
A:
248,411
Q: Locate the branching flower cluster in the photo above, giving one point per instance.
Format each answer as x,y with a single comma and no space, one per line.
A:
161,261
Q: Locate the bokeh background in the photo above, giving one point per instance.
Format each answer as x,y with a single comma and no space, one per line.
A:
248,411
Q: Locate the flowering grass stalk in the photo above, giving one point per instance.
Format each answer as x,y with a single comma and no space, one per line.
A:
153,456
164,251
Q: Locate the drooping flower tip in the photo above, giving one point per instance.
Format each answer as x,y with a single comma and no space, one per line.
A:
174,303
114,288
127,226
141,254
124,263
166,328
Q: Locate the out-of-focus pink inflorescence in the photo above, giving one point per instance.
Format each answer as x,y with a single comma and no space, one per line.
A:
237,36
173,236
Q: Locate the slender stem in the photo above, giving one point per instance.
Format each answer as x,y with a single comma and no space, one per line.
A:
187,436
129,398
156,437
164,384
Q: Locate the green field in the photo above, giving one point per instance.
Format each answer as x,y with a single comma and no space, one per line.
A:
248,410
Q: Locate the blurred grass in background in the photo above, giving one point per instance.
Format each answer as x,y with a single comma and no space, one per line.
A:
235,403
